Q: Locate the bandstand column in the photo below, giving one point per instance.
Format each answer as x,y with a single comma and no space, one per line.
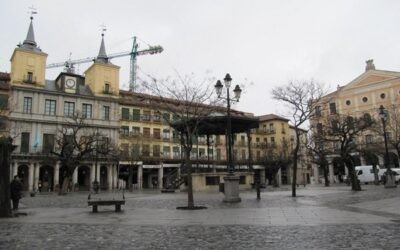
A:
31,177
140,177
57,175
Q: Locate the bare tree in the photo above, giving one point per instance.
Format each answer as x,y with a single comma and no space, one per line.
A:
318,152
301,99
276,157
342,131
75,143
189,101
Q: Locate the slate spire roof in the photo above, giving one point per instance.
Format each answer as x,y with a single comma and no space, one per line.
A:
102,56
29,42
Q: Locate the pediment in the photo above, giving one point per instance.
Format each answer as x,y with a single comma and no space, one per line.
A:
371,77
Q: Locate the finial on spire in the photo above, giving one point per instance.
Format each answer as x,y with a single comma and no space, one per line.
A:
370,65
102,56
29,42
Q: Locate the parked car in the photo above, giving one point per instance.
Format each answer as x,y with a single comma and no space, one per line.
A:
366,175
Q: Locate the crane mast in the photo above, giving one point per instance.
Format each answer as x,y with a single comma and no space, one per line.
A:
69,65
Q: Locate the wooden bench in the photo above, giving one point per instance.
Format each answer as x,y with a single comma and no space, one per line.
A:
96,203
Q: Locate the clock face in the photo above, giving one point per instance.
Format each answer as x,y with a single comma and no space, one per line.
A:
70,83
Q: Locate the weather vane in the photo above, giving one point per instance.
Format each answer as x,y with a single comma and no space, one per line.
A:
32,11
103,29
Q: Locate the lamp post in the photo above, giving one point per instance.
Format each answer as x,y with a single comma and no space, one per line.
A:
390,182
231,182
237,91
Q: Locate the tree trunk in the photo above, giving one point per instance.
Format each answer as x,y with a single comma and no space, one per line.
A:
5,204
326,177
65,185
189,178
294,180
355,184
376,176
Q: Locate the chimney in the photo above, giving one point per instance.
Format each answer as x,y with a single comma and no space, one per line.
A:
370,65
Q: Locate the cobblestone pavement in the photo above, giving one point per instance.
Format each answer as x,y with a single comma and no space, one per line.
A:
319,218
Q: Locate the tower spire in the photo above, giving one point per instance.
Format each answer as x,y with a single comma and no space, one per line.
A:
102,56
29,42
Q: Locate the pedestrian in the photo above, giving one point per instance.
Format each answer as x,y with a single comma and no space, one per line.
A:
15,188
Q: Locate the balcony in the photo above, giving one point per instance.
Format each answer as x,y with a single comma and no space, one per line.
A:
107,90
30,80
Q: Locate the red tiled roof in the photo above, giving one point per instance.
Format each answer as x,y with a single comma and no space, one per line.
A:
269,117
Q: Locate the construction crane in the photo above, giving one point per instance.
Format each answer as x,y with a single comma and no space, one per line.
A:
69,65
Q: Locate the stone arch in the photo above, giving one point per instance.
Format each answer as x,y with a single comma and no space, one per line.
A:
23,174
371,159
46,178
103,177
84,178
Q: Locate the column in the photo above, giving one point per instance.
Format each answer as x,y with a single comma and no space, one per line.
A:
98,172
346,171
15,169
362,160
36,178
262,176
279,177
331,174
92,173
316,173
110,176
31,177
160,176
115,170
57,175
75,177
140,177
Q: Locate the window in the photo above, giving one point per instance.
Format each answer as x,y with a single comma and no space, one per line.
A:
156,133
166,151
106,113
242,180
156,150
176,153
30,77
3,101
212,180
383,96
146,115
48,143
283,128
157,118
389,136
369,139
332,108
124,130
136,114
27,105
319,129
166,135
271,127
146,150
318,112
50,107
243,154
335,126
365,99
69,109
146,132
135,151
135,131
107,88
202,152
218,154
166,117
273,140
125,114
125,149
348,102
25,142
86,110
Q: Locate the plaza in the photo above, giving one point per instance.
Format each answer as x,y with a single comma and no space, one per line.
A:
319,218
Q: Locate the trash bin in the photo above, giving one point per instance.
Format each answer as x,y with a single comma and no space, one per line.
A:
222,187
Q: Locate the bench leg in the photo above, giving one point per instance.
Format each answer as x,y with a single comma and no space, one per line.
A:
95,209
117,208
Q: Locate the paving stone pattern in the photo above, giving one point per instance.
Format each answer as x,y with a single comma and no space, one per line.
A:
319,218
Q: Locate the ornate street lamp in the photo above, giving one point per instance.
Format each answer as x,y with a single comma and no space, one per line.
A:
390,181
231,182
237,91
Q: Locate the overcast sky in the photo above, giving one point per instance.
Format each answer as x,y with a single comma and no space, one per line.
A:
260,43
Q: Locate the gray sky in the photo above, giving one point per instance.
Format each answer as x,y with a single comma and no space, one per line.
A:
260,43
